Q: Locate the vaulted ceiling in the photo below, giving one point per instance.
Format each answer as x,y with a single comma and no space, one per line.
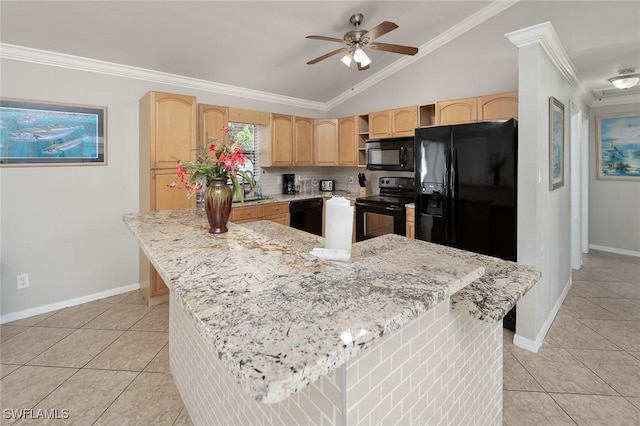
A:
261,45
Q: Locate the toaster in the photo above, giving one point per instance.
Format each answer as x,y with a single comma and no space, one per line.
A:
327,185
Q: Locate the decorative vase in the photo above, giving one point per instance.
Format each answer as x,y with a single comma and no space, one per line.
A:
217,203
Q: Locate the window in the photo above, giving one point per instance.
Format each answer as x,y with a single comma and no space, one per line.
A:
247,135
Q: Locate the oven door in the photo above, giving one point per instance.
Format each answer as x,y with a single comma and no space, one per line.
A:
375,219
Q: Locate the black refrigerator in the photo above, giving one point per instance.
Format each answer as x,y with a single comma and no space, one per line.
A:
466,184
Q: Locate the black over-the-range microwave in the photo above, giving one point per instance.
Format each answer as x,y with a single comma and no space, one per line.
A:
390,154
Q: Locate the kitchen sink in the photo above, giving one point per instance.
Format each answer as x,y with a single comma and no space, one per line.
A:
252,198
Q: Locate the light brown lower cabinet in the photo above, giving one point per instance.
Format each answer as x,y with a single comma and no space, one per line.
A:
411,223
276,212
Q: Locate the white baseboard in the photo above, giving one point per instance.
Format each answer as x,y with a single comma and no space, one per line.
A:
615,250
26,313
535,345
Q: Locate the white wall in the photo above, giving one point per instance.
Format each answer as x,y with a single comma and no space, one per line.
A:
543,215
614,206
63,225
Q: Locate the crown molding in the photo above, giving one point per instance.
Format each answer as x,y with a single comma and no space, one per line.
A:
544,35
616,100
43,57
452,33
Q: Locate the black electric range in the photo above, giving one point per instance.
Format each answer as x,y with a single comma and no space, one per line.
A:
384,213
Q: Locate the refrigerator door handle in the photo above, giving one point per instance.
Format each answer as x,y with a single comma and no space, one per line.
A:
454,166
447,156
447,199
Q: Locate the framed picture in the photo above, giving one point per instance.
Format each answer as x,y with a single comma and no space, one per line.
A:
618,146
556,144
40,133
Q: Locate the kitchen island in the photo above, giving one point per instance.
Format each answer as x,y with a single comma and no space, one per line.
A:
261,331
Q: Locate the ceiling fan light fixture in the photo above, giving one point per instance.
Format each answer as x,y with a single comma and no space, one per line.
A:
361,57
626,79
357,39
346,59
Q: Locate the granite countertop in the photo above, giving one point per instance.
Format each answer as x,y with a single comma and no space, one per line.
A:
280,318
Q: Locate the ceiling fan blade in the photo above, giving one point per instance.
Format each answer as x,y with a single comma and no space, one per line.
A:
361,68
320,58
380,30
317,37
394,48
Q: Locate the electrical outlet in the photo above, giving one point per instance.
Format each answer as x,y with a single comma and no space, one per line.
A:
350,179
279,180
23,281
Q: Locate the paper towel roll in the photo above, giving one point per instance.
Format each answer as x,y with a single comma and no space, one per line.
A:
339,224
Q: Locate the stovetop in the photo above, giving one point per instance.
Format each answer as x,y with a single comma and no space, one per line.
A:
396,191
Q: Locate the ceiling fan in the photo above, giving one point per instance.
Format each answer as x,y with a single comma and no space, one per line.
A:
357,39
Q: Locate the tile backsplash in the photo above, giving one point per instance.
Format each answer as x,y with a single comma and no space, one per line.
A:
268,177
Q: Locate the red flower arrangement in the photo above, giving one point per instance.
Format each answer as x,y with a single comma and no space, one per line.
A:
216,159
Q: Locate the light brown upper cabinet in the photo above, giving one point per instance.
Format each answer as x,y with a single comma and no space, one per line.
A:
302,141
457,111
347,141
379,124
393,123
404,121
427,115
239,115
500,106
167,128
212,120
325,135
291,142
362,129
279,153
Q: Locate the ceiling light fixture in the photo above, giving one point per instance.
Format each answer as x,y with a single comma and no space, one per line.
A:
625,79
361,57
346,59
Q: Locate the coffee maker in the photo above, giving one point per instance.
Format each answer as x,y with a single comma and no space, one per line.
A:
288,183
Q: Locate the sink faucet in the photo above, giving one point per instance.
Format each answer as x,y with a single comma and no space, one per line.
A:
251,183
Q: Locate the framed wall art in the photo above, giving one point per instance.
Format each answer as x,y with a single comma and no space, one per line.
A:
556,144
39,133
618,146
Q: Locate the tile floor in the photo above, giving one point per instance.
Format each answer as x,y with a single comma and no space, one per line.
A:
106,362
588,369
